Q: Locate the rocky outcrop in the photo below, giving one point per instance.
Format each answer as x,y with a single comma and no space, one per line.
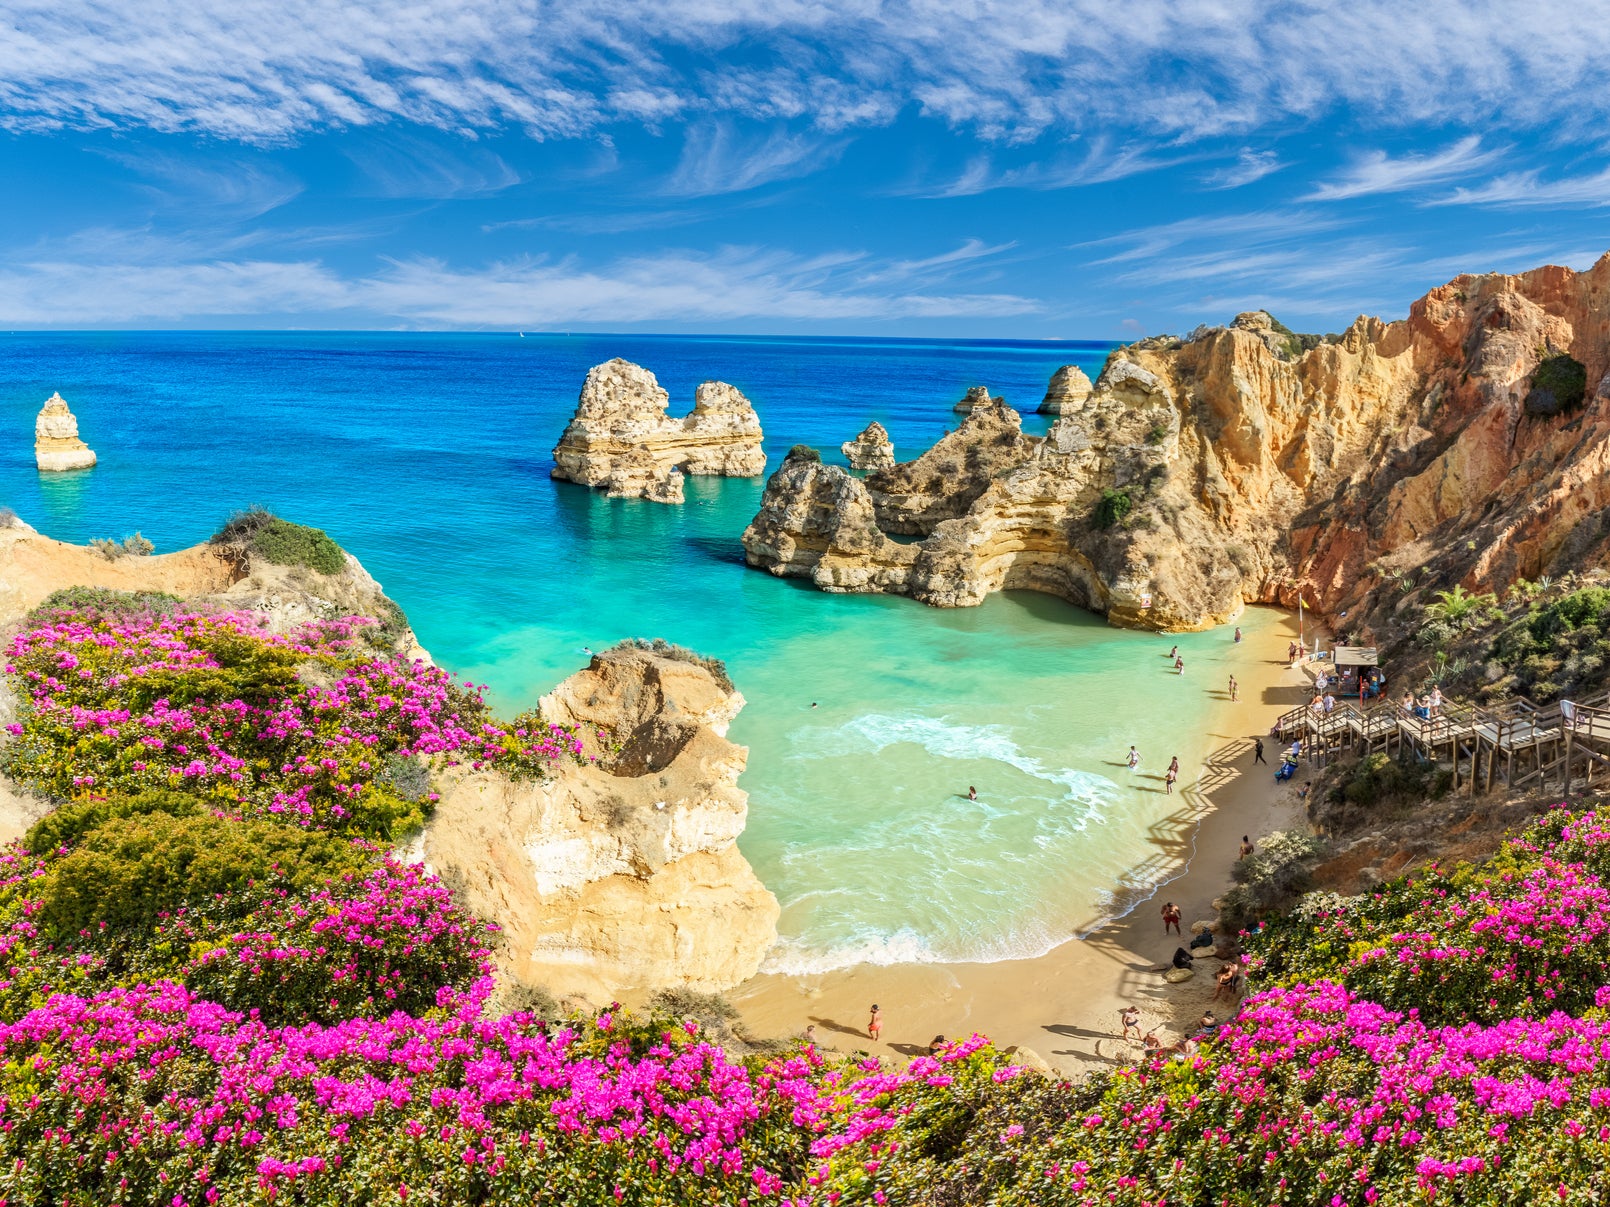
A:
226,576
623,874
872,449
943,483
622,441
56,443
1067,392
977,396
1245,464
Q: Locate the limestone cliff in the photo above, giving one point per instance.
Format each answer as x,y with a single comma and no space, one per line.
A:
623,874
56,443
872,449
1245,462
977,396
622,440
1067,392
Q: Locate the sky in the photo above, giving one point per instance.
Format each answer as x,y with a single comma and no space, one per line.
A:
1060,169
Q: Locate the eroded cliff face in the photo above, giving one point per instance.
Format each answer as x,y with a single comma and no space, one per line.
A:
622,874
622,441
1236,467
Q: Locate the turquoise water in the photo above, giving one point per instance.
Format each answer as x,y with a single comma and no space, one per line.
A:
427,456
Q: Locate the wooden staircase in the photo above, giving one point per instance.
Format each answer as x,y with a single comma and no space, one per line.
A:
1516,744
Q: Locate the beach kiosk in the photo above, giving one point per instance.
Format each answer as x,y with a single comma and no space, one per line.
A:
1355,663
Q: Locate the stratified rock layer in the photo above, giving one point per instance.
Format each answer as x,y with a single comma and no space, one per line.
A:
1236,467
622,874
977,396
872,449
622,441
56,443
1067,392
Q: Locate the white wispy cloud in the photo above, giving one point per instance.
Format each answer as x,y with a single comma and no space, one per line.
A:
1378,172
404,166
1101,163
733,283
1530,188
241,187
266,72
717,158
1249,166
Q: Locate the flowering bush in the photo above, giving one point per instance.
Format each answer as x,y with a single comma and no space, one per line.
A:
201,1003
151,1095
298,725
1525,935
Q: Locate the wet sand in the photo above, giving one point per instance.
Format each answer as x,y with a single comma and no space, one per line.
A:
1063,1006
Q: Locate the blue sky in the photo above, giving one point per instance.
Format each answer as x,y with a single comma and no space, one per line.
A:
1032,168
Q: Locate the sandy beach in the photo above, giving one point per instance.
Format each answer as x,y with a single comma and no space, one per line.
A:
1063,1006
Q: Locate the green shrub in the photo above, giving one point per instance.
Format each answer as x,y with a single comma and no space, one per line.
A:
1270,878
1559,384
1378,778
129,870
709,1010
1114,506
282,542
677,653
130,546
63,827
95,603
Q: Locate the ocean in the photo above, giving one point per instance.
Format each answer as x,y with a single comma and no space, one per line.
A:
427,456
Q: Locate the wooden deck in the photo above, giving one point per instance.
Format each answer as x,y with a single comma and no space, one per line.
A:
1515,744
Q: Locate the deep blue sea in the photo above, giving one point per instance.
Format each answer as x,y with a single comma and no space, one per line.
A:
427,456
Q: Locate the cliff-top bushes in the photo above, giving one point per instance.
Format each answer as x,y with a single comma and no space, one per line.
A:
97,602
282,542
1559,384
661,648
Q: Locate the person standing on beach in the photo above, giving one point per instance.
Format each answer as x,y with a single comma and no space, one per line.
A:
1257,752
1234,690
1129,1020
874,1025
1134,758
1171,917
1169,777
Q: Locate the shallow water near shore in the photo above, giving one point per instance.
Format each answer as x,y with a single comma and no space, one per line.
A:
427,456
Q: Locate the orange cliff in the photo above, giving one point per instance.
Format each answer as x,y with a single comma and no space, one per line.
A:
1243,463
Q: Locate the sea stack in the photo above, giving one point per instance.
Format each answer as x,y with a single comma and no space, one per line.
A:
622,441
976,397
872,449
1067,392
56,443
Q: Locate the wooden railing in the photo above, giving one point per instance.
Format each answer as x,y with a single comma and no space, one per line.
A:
1525,741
